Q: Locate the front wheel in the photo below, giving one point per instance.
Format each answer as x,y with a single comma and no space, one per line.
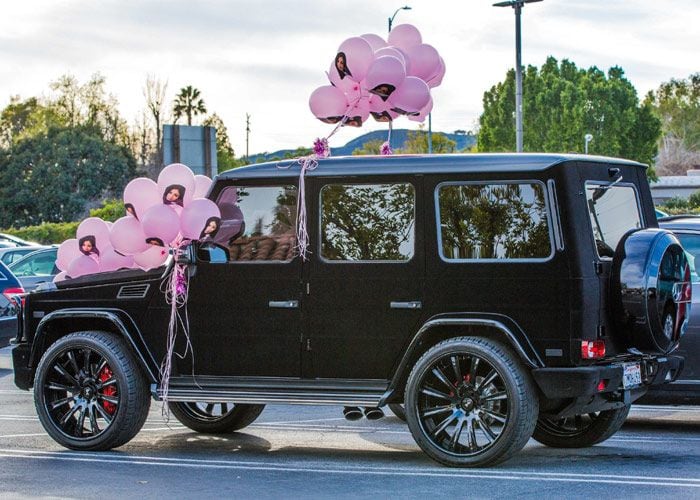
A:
215,418
470,403
580,431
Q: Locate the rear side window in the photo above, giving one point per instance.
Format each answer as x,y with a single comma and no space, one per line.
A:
367,222
257,224
613,210
495,221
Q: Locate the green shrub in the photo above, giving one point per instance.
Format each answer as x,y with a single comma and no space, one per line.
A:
47,233
110,210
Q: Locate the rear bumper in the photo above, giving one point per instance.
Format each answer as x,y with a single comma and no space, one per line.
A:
20,362
599,387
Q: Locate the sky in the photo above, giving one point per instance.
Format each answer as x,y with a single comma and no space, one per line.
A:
265,57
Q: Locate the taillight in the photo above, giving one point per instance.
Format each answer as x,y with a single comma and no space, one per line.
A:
592,349
11,293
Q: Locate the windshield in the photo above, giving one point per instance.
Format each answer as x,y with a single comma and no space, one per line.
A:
613,211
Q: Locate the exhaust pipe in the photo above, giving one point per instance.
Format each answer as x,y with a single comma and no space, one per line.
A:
373,413
352,413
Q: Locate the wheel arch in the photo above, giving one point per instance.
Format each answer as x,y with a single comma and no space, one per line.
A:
441,327
116,321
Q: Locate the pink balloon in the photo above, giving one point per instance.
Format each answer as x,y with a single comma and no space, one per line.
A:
202,183
200,219
353,59
112,261
405,36
154,257
140,195
375,41
62,276
358,113
410,97
425,61
420,117
385,75
380,111
66,253
328,104
127,236
176,185
92,235
436,79
391,51
82,265
162,223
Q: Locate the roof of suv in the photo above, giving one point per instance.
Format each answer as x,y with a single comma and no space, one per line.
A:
395,164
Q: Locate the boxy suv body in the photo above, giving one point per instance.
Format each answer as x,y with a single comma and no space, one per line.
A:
498,297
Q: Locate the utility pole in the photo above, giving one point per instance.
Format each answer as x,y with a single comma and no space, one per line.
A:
247,135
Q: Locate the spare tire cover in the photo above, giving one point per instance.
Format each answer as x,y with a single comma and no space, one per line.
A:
650,290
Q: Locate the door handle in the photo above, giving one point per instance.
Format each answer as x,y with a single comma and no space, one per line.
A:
414,304
284,304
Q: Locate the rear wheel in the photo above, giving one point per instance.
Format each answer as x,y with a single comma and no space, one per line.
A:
398,410
580,431
215,418
470,403
89,392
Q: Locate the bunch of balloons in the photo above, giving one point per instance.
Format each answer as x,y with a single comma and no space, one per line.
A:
385,79
159,216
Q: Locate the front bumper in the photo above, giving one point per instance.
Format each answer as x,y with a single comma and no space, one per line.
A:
599,387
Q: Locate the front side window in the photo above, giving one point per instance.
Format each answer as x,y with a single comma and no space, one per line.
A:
613,211
257,224
367,222
493,221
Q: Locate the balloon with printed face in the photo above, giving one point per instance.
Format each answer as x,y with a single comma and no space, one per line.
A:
202,183
68,251
154,257
200,219
379,109
81,266
425,61
385,75
375,41
176,185
110,260
421,116
410,97
127,236
92,234
140,195
328,104
358,113
161,222
353,59
405,36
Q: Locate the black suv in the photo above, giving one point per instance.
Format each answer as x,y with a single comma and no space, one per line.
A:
498,297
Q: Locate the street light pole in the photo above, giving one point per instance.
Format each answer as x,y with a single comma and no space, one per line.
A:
517,7
391,21
586,138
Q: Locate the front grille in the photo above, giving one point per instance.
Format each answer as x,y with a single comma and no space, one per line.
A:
133,291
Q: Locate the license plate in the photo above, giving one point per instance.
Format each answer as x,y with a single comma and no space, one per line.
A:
631,375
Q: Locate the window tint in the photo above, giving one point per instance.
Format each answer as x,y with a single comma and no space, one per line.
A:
691,245
257,224
613,211
36,265
493,221
367,222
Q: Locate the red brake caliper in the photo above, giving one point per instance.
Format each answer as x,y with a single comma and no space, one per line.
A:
110,390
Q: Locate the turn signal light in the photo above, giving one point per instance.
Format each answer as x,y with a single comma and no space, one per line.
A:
11,293
592,349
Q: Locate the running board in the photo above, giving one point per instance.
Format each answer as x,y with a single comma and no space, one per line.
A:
273,391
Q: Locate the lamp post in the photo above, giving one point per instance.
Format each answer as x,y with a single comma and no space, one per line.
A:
518,7
586,139
391,21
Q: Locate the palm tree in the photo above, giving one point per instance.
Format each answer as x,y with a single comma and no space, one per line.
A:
188,102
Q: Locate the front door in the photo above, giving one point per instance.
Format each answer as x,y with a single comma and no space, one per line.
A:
244,300
365,276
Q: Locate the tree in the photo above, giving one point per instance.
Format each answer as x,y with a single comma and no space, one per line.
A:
417,143
154,92
23,119
373,147
225,156
52,177
561,104
188,103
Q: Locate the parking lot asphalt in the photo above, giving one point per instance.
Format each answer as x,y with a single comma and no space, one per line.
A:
312,452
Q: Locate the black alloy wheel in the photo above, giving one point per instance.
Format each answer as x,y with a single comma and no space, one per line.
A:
469,403
215,417
580,431
89,393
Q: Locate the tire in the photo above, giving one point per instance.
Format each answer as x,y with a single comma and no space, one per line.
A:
580,431
215,418
89,392
475,385
398,410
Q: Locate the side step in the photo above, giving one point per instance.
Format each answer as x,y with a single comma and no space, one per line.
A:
266,390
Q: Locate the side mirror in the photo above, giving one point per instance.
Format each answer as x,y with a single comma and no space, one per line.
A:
185,255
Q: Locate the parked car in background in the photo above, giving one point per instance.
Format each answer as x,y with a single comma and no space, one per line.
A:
687,388
8,241
36,268
8,255
660,213
9,288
